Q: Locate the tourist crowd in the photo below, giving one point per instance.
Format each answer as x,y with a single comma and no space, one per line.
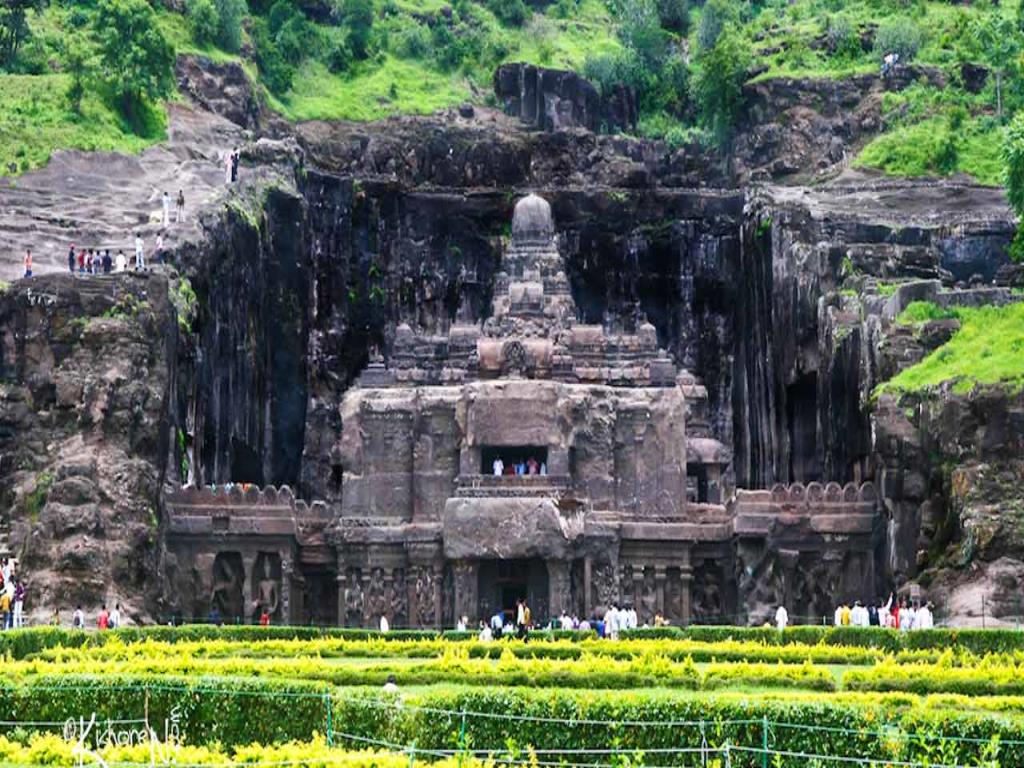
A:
608,625
12,596
529,467
893,614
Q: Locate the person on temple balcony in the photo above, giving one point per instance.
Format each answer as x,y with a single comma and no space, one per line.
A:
498,467
532,467
543,468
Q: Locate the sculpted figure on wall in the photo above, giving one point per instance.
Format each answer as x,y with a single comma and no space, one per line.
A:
226,593
353,598
424,589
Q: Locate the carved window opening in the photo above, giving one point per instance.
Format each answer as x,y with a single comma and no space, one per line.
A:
697,483
515,459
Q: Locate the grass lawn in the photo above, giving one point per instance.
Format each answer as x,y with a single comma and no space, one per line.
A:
988,349
35,121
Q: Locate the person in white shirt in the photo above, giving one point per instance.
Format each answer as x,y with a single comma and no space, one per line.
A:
78,619
565,621
611,622
781,617
121,262
461,625
485,635
859,615
115,617
384,625
924,619
908,616
166,202
140,255
839,616
631,618
498,467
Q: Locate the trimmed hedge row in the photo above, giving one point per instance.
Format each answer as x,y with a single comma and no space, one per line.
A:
19,643
230,711
978,641
872,729
234,712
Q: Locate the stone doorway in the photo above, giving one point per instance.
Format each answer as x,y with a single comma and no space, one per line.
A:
503,582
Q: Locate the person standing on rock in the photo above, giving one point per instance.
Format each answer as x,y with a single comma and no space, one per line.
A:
158,254
179,209
229,164
81,261
107,262
71,260
28,262
140,256
122,262
235,158
165,201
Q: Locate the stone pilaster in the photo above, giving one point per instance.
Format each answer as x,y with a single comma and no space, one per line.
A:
558,587
465,572
248,565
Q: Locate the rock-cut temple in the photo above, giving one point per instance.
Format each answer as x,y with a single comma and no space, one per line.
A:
530,456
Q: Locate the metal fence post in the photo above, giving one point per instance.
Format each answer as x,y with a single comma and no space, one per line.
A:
330,719
764,741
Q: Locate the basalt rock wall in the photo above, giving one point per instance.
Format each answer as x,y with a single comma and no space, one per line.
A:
87,369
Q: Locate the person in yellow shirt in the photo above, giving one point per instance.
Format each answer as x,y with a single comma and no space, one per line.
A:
846,615
5,610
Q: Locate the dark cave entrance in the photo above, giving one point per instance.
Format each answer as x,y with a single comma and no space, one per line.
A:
503,582
802,427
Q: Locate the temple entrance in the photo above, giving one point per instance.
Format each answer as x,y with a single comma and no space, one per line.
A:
525,456
503,582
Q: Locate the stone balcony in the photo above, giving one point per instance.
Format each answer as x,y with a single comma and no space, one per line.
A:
509,486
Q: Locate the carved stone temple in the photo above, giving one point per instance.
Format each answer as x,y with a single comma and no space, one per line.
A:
528,457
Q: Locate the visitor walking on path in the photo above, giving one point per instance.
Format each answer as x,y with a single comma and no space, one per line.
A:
179,210
115,616
140,256
103,620
28,262
78,618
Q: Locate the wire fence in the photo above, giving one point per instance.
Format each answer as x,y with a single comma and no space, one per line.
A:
753,742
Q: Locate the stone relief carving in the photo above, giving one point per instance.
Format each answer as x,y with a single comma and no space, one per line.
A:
226,593
399,599
424,589
353,598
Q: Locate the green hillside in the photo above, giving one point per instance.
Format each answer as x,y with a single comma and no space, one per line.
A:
366,59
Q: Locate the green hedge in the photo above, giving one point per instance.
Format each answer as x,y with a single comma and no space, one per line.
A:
862,730
230,711
979,641
19,643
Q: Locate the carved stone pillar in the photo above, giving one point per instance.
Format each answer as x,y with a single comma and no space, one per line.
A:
685,586
342,584
588,595
248,564
558,587
636,589
465,572
788,558
660,575
438,585
286,590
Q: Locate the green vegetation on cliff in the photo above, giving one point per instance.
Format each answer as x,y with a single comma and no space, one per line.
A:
988,349
366,59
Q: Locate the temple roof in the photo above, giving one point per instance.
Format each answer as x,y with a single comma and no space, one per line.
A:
532,220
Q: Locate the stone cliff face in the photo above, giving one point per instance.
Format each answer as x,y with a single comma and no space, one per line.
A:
298,282
87,372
